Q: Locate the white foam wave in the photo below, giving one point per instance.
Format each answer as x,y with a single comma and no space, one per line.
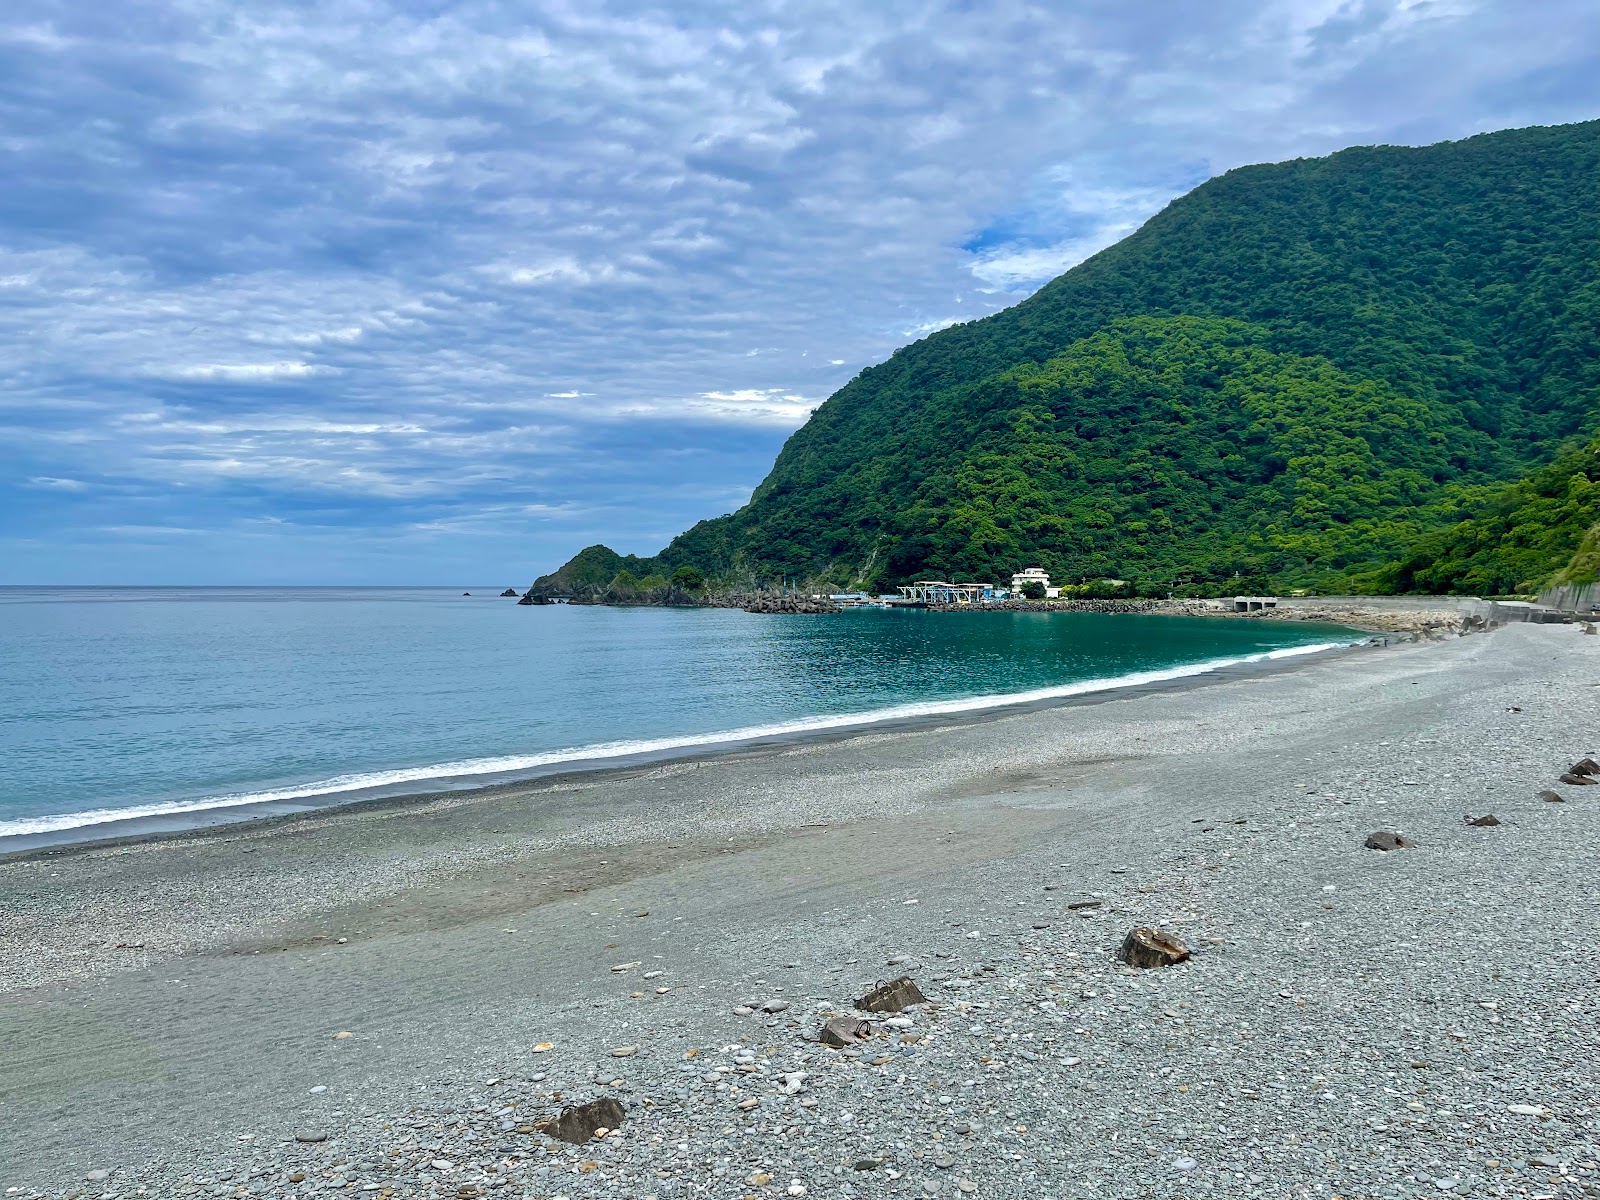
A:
510,765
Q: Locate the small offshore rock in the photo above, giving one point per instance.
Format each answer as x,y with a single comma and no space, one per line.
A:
1550,797
1572,780
1585,766
1385,839
1145,947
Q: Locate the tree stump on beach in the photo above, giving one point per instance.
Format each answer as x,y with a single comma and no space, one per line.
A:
1144,948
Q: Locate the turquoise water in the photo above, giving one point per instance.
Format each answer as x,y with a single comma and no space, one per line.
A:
136,702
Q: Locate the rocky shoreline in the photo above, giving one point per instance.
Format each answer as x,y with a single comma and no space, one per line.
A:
1417,1022
1439,618
1378,615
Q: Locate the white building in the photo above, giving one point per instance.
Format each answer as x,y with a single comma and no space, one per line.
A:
1033,575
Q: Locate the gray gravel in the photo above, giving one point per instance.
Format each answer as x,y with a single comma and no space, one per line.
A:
1420,1022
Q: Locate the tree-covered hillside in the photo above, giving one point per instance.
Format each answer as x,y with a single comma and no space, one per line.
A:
1516,537
1293,375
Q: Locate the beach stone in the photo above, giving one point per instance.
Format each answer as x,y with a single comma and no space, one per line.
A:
1487,819
311,1135
892,996
577,1123
624,1051
775,1006
98,1176
1145,947
1384,839
845,1031
1079,905
944,1162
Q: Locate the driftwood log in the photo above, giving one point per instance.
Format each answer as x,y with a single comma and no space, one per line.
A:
892,996
577,1123
1144,947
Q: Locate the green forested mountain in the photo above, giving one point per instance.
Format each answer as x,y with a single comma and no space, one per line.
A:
1309,373
1516,535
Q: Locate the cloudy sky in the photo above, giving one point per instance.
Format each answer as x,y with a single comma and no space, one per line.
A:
390,291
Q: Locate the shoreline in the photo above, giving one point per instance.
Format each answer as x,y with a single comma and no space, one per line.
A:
348,1000
134,830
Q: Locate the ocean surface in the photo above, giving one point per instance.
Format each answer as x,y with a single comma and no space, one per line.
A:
180,704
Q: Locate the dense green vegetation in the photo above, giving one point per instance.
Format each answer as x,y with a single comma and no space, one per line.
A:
1510,544
1306,374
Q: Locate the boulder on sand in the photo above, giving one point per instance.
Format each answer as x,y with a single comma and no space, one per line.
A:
892,996
1385,839
845,1031
1144,947
577,1123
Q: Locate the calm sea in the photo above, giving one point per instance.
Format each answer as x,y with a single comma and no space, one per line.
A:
182,703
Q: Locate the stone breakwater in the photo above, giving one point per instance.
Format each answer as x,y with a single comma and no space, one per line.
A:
1352,1022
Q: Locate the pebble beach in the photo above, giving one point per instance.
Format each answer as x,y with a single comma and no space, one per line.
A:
395,999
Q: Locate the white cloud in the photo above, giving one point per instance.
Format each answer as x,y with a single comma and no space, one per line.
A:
249,372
